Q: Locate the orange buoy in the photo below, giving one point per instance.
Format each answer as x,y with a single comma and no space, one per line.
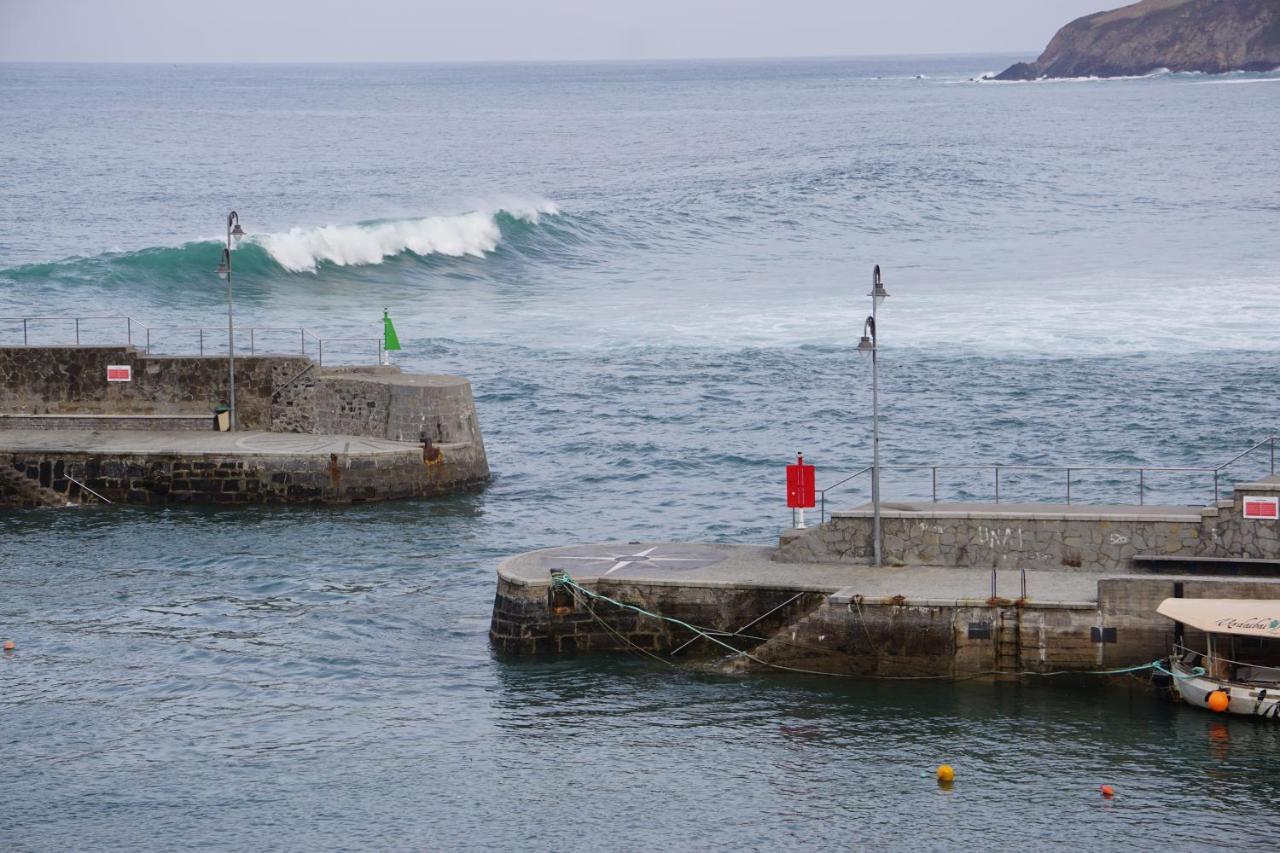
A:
1108,791
10,645
946,774
1218,701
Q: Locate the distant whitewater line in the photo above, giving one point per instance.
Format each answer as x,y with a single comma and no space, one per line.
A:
1158,73
476,234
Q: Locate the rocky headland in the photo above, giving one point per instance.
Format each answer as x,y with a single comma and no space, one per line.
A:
1213,36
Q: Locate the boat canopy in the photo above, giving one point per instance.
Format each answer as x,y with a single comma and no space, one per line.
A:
1242,616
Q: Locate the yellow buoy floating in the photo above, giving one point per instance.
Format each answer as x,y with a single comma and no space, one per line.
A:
946,773
1218,701
10,645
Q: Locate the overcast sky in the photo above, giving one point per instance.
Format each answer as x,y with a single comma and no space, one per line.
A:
434,30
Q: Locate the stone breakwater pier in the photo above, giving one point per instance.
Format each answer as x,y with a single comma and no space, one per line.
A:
966,589
307,434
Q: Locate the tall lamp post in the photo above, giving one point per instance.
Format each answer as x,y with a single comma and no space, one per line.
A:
868,346
224,269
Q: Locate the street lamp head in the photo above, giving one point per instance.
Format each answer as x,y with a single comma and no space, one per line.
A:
877,287
867,345
224,265
233,225
237,232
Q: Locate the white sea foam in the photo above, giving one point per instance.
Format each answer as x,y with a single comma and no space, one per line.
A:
1159,72
1102,316
476,233
1234,82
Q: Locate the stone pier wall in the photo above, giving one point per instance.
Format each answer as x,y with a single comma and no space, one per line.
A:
382,402
849,635
66,388
826,633
944,639
954,638
73,380
61,388
524,622
1040,539
160,479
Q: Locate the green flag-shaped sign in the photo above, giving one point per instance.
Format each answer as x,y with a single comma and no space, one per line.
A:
389,339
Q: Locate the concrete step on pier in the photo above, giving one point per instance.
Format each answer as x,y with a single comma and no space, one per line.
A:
95,422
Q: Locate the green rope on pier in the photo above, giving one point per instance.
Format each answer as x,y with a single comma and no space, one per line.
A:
561,578
1196,671
1155,664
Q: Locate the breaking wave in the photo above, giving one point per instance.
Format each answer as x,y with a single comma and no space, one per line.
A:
307,249
475,234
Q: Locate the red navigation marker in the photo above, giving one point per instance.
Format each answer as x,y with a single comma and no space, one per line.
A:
801,492
119,373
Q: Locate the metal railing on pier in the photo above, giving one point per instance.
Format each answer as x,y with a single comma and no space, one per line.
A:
1065,474
188,340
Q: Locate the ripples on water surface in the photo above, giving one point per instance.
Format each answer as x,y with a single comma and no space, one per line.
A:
653,275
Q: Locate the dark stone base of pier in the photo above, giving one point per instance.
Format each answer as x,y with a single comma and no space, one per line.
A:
841,618
154,467
529,619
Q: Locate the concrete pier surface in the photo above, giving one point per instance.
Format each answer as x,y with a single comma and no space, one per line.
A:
965,589
177,442
713,566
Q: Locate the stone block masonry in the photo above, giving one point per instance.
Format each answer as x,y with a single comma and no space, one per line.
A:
58,412
273,393
853,635
848,620
1040,536
254,468
380,402
72,380
524,622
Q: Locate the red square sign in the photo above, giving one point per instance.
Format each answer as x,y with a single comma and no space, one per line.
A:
119,373
800,486
1264,508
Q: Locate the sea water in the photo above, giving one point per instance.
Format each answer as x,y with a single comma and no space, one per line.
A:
654,275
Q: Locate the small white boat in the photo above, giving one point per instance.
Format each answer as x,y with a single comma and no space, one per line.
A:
1241,658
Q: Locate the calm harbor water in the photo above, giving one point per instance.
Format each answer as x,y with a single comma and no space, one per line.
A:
654,275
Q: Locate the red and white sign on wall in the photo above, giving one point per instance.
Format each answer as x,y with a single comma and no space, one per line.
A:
119,373
1256,507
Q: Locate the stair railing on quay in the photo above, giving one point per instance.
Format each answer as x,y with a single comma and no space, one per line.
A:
997,467
150,337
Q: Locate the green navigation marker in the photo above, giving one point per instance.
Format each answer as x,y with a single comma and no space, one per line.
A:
390,341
